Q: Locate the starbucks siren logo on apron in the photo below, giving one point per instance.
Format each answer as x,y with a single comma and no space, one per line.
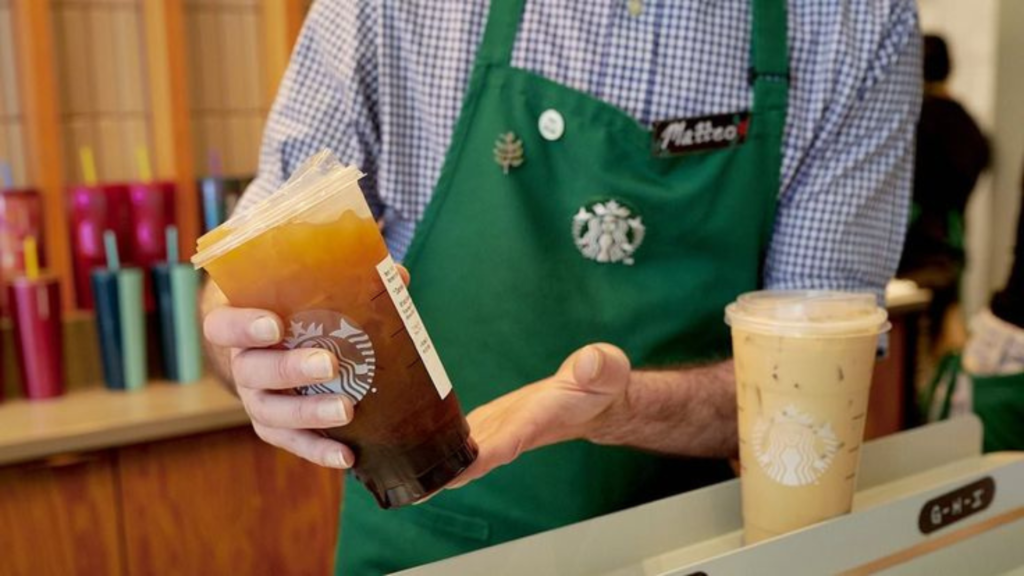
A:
607,232
357,362
791,449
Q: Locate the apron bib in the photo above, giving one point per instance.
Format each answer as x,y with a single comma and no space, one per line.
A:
554,225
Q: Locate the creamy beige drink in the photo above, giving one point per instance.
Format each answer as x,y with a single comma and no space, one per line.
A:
803,364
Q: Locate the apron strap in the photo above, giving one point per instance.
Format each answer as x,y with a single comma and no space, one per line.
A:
500,34
770,55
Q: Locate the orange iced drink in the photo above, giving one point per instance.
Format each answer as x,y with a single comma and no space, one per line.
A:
314,256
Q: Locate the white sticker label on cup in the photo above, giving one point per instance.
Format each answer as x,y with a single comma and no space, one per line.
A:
414,325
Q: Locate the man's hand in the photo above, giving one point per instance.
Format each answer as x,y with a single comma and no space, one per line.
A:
567,406
686,411
264,380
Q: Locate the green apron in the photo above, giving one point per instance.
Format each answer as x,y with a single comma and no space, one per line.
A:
522,257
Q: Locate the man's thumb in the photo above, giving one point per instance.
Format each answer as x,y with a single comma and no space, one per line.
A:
601,368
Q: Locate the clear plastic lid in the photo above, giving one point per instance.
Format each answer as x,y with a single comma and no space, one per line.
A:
321,178
808,313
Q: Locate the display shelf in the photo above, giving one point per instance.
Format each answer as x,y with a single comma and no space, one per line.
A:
98,418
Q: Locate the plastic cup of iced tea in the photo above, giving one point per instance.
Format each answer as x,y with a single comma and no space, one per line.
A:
313,254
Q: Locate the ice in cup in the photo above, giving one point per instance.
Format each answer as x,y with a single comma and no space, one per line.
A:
803,362
313,254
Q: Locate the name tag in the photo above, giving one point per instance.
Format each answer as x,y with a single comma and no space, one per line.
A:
684,135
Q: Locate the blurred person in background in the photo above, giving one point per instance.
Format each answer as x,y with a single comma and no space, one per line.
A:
990,377
951,154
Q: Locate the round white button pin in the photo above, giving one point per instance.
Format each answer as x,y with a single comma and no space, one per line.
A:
551,125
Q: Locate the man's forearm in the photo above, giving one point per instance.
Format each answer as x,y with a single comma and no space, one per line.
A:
685,412
211,298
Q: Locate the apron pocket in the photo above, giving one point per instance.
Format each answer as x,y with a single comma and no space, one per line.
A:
456,524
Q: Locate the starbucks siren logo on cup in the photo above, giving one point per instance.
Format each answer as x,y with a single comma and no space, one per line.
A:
341,336
791,449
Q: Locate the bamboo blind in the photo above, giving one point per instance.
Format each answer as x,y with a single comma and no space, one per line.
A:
227,83
104,97
12,138
177,77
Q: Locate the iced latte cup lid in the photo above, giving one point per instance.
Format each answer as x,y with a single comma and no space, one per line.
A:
808,313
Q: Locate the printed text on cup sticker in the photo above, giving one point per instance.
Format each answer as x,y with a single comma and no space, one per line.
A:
414,325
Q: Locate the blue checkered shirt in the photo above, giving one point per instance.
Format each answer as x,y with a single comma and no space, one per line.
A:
381,83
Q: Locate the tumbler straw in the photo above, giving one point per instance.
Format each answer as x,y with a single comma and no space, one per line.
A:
171,235
214,164
88,166
6,174
31,255
142,163
110,247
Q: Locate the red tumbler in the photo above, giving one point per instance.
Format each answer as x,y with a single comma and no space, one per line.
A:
36,315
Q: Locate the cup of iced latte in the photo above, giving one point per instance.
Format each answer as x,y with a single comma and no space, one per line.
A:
803,362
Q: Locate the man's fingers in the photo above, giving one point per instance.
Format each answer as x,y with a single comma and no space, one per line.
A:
282,369
242,328
309,445
288,411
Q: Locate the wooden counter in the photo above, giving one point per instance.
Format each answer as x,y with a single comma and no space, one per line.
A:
167,479
98,418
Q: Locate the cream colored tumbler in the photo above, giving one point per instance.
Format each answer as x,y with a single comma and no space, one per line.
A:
803,363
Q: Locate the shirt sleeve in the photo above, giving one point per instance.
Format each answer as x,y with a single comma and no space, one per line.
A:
843,207
327,99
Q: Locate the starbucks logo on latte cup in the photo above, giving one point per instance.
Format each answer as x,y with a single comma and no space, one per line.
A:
340,335
792,448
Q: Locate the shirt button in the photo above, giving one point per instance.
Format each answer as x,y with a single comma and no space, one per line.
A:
551,125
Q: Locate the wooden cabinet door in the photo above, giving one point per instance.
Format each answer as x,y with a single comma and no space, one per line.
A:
226,503
60,518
